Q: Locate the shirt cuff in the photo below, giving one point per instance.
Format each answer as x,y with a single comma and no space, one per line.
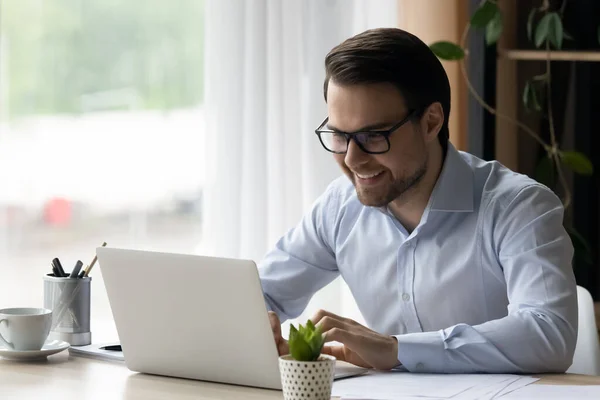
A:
422,352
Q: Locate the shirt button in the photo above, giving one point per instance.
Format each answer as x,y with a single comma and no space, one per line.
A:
420,366
405,296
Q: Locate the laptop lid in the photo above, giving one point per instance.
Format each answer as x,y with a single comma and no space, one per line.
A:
191,316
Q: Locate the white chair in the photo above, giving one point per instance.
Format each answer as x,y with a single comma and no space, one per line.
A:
587,351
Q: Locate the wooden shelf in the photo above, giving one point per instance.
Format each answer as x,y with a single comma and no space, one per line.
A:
540,55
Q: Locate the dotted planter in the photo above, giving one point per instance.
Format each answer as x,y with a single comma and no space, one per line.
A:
307,379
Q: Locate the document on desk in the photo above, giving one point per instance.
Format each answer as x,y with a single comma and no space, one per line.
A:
378,385
555,392
97,350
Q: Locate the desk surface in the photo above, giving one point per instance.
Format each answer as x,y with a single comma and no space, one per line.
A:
66,377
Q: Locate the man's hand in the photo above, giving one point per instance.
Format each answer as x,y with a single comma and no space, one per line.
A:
361,346
282,344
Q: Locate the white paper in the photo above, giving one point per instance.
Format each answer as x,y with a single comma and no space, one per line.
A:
515,385
401,386
555,392
495,391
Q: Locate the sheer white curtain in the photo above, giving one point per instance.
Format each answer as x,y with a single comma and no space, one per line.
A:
264,77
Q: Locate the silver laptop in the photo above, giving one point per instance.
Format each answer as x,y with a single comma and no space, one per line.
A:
193,317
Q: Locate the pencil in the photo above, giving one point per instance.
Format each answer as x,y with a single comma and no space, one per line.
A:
89,268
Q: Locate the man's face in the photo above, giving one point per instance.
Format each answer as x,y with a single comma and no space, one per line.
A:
378,178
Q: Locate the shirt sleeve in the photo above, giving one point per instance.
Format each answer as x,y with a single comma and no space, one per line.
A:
302,261
540,331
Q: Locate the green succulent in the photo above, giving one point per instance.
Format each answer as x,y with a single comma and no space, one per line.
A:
306,342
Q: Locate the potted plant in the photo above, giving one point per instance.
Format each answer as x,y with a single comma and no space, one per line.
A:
305,372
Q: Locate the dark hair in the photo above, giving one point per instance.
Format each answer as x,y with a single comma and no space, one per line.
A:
394,56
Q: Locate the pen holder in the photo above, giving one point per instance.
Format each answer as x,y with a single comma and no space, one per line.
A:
69,300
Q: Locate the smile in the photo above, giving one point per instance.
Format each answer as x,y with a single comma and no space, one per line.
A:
369,176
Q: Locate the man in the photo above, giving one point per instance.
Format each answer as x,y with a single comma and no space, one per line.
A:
458,265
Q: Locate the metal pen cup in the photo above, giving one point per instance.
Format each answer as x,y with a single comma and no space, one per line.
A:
69,299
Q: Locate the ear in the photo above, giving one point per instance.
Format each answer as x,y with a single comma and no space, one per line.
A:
432,121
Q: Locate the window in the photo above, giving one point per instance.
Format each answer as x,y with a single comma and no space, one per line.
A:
100,135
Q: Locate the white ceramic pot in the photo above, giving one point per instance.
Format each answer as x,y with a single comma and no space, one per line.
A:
307,379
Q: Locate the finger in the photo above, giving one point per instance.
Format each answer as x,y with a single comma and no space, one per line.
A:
343,336
343,353
336,351
273,317
319,315
275,324
348,351
283,348
328,323
371,350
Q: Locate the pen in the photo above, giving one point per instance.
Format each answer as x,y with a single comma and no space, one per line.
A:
55,271
59,268
116,347
76,269
86,272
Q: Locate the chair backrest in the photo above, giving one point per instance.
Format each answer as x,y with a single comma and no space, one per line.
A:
587,351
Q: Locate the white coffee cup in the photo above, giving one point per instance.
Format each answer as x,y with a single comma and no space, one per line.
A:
24,328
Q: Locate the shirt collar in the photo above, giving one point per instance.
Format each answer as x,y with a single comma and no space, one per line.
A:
453,191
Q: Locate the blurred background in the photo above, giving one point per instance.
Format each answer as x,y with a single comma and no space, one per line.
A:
188,126
101,134
181,126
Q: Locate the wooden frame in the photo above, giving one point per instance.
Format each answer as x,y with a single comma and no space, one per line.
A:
433,20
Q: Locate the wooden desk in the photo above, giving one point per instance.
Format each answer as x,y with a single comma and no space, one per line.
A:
64,377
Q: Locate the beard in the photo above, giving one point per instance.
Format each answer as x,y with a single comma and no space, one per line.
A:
382,195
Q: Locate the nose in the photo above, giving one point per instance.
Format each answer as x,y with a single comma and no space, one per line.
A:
355,156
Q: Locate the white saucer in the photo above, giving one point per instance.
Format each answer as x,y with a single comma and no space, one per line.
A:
50,347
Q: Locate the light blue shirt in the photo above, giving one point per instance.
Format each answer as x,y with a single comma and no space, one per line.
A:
483,284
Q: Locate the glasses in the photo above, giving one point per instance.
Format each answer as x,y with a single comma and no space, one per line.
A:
371,142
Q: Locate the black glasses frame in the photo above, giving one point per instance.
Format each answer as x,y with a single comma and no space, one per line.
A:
352,135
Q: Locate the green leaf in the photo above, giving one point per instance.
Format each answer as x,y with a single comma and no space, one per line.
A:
316,342
541,31
293,332
542,77
484,14
578,162
545,172
555,30
301,330
447,50
536,103
526,95
300,350
306,342
567,36
580,245
530,97
493,29
530,22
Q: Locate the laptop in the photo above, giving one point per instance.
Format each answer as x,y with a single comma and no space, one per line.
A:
194,317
